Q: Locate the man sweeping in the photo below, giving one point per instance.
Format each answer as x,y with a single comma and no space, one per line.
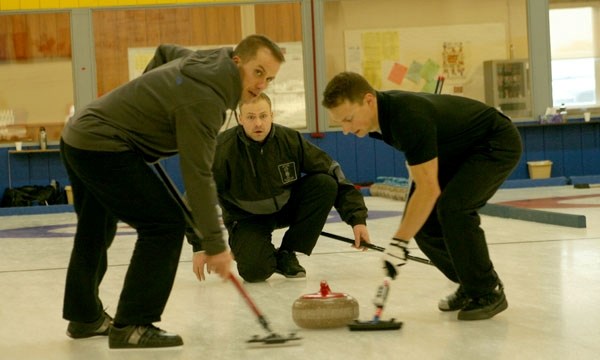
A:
177,107
459,152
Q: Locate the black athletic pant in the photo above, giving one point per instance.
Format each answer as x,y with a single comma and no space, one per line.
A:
305,213
112,186
452,237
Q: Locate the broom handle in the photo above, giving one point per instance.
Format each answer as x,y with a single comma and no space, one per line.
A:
190,221
261,318
374,247
177,196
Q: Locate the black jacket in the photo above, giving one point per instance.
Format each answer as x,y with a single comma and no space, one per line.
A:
256,178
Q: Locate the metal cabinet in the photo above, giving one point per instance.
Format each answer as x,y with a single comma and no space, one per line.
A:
507,86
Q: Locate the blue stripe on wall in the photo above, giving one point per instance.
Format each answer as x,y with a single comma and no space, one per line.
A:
574,150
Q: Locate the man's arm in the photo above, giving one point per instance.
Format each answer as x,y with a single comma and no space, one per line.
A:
421,203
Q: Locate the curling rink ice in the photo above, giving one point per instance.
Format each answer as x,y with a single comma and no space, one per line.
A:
551,275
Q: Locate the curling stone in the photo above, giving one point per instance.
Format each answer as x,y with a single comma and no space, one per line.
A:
324,309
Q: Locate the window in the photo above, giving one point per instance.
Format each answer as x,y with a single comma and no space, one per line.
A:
575,68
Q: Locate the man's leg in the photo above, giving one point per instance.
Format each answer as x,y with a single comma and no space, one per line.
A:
473,184
127,188
307,211
250,242
95,232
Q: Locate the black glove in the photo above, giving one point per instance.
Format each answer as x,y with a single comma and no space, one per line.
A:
394,256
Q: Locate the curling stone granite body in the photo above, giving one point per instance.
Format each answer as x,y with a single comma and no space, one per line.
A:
324,309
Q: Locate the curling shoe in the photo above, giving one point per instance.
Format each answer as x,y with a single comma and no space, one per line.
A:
141,337
455,301
81,330
288,265
485,306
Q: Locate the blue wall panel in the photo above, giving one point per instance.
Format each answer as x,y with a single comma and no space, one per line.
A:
571,150
346,147
384,159
326,143
553,148
533,144
365,160
574,150
590,154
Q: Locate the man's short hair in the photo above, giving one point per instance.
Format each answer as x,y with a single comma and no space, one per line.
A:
346,86
248,47
261,96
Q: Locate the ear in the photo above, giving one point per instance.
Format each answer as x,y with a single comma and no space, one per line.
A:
369,99
237,60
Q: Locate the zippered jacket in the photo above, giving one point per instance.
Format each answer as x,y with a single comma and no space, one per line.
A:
256,178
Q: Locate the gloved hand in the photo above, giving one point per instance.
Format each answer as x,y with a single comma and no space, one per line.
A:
394,256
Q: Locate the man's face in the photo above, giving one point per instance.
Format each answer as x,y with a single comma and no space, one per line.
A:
256,119
355,118
257,73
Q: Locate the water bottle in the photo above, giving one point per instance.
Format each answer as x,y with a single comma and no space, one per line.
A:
43,139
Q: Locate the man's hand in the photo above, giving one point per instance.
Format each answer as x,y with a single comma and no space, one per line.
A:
360,234
394,256
219,263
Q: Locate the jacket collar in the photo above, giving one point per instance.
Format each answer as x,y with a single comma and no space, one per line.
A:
247,141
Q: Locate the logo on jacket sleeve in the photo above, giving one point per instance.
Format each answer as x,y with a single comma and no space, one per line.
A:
288,172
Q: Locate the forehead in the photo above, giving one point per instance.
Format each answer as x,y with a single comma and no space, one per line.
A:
265,58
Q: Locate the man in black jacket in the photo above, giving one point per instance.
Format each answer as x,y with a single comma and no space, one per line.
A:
459,152
177,107
270,177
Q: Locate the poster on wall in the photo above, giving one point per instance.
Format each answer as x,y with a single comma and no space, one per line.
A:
413,58
286,91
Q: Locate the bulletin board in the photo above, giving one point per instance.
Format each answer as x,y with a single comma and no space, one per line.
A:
413,58
286,91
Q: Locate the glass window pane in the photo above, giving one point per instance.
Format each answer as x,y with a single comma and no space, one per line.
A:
571,33
575,67
573,82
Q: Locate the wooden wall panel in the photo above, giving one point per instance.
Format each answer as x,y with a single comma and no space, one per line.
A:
20,38
281,22
48,34
117,30
5,44
63,35
35,36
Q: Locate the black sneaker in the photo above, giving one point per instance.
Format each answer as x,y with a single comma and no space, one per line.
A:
486,306
288,265
455,301
81,330
140,337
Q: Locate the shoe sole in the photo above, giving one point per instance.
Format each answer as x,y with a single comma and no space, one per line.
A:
451,310
127,346
158,348
483,315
